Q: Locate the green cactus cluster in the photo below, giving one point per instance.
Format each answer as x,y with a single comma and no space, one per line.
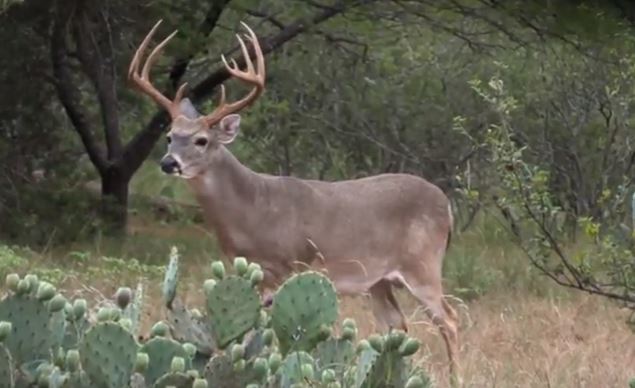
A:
233,305
304,310
47,341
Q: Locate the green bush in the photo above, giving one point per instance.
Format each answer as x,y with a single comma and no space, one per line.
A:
10,260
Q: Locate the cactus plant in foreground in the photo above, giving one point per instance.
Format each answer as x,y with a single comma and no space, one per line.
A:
233,307
49,342
108,353
35,325
304,310
161,351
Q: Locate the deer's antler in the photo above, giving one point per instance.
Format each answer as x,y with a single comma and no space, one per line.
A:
142,79
253,76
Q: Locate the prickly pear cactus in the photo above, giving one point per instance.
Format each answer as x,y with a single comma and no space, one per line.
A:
161,351
334,353
64,376
108,353
297,368
174,379
58,325
419,379
186,325
6,368
56,378
31,315
337,354
304,309
171,278
365,363
131,308
233,307
77,379
76,323
222,371
384,361
256,341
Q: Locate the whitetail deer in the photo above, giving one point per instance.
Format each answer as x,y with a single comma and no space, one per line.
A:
369,234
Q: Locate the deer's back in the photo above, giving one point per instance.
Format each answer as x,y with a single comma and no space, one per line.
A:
397,197
355,217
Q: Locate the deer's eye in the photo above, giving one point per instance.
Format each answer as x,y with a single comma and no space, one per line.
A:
168,139
201,142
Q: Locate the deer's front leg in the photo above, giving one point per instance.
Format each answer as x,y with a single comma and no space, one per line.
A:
268,287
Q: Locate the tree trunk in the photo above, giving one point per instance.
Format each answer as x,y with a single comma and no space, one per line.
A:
114,194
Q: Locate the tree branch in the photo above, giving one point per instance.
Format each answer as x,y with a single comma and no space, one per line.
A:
270,18
99,67
68,93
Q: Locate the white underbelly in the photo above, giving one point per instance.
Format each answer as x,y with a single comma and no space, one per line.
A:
353,277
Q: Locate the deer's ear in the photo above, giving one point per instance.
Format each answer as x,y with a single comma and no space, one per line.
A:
228,128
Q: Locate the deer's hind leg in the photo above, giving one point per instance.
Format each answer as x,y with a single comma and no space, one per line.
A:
423,280
385,307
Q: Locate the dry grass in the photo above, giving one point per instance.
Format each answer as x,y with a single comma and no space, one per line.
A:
510,340
520,341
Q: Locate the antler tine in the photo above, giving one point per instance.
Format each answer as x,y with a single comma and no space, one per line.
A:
248,62
142,80
252,75
134,64
222,95
145,73
260,59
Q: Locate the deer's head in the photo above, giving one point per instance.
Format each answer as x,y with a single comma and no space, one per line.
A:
193,139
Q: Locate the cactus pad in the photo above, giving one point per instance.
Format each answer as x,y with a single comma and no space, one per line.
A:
133,310
291,371
336,354
365,363
6,367
161,351
74,331
188,328
108,353
388,368
234,308
31,335
171,278
303,307
254,343
219,372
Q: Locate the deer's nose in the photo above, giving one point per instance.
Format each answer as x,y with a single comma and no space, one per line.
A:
169,165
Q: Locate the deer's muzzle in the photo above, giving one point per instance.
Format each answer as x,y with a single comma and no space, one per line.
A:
169,165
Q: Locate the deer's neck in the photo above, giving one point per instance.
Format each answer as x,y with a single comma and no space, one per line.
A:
227,192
